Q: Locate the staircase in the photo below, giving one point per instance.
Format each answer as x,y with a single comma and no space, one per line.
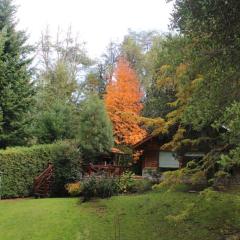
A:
42,183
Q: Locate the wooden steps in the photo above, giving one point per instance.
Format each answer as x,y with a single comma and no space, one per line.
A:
43,182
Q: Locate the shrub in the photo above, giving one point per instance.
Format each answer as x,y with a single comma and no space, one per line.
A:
21,165
170,179
126,182
74,189
102,187
141,185
173,180
183,180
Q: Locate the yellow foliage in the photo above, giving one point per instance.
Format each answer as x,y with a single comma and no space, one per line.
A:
74,189
181,70
136,155
176,140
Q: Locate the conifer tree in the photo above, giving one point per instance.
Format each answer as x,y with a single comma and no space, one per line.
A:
95,134
15,87
123,102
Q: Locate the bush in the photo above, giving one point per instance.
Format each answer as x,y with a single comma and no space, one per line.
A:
102,187
183,180
105,187
170,179
141,186
74,189
21,165
173,180
126,182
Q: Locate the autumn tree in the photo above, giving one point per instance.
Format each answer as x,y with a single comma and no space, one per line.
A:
123,102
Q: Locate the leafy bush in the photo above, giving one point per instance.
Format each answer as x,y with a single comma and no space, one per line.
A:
21,165
101,186
105,187
126,182
74,189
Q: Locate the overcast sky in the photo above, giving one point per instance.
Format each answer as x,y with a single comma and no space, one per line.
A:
96,21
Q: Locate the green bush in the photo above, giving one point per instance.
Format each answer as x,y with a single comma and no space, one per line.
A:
126,182
184,179
105,187
21,165
174,180
141,186
101,187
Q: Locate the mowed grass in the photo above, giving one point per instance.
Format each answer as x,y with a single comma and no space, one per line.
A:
151,216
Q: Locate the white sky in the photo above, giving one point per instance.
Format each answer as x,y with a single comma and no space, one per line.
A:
96,21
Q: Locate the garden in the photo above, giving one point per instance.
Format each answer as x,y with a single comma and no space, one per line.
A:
142,142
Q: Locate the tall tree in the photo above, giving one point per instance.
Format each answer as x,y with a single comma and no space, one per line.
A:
202,66
15,86
123,102
95,133
62,62
135,48
94,83
56,115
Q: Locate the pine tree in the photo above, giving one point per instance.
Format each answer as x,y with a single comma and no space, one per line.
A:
15,87
95,134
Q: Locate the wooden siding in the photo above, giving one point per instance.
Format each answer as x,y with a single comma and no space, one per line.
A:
150,159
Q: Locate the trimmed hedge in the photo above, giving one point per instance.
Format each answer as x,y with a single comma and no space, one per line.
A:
21,165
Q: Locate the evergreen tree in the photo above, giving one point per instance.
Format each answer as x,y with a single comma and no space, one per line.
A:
95,135
15,87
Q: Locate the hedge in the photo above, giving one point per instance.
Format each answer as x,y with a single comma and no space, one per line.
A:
21,165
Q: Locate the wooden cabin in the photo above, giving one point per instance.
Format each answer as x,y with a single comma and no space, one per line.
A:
154,158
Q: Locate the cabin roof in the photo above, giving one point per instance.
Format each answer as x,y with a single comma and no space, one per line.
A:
116,150
144,140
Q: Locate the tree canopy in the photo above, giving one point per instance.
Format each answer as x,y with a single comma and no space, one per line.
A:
16,88
123,103
95,133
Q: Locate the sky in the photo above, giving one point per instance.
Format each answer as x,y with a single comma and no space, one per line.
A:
97,22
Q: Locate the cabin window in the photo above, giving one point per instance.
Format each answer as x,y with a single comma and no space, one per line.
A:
168,160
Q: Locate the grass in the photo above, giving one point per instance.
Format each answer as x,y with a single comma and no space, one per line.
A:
158,216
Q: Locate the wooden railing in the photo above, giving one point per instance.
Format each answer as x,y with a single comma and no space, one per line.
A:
42,183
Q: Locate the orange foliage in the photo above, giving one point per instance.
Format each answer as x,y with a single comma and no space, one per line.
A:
136,155
123,104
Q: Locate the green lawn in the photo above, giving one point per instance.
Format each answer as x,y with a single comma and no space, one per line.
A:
152,216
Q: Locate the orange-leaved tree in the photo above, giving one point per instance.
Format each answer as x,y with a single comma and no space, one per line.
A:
123,103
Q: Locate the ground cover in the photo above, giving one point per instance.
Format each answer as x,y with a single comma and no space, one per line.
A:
163,215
